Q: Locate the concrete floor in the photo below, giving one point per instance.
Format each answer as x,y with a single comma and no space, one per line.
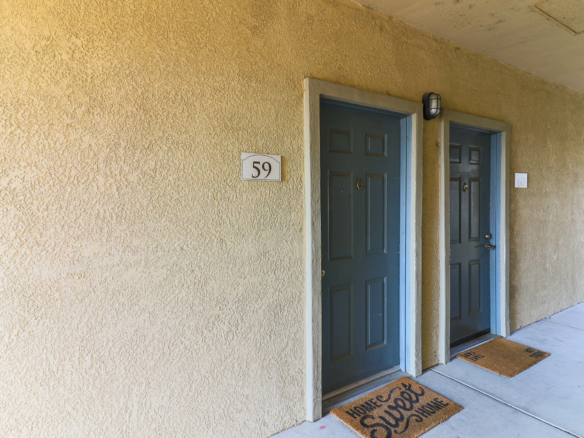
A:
546,400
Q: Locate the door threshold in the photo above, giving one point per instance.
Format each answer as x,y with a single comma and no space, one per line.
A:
471,344
355,390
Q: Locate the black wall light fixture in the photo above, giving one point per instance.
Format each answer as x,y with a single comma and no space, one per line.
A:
432,105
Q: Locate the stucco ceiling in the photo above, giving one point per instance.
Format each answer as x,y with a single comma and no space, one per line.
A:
545,37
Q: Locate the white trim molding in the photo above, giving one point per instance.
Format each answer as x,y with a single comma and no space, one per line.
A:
500,132
314,89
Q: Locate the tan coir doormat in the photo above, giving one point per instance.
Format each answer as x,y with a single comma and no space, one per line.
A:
403,408
503,357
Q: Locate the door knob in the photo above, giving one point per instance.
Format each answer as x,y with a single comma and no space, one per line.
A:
359,183
464,187
487,246
488,236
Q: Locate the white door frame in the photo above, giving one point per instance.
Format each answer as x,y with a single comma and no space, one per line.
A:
500,132
411,360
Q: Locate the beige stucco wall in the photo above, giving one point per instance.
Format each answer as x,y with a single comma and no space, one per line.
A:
145,289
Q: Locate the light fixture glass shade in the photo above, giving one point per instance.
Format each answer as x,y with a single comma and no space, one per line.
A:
432,105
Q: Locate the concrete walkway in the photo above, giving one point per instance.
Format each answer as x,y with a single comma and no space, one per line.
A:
546,400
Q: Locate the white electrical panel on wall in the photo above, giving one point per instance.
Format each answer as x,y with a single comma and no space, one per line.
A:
520,180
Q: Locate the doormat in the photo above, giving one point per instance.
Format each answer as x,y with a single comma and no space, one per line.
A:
403,408
503,357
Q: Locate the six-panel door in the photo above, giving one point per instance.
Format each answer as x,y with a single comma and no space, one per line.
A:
360,183
470,200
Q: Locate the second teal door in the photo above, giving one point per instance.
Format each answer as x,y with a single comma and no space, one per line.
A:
361,214
470,234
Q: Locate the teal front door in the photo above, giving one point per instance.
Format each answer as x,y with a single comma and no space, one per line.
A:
360,188
470,234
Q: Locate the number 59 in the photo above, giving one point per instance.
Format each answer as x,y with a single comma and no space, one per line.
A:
267,167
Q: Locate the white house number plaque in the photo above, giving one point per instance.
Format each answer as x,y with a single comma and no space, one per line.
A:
261,167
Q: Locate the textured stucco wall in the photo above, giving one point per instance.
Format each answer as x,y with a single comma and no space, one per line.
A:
145,289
